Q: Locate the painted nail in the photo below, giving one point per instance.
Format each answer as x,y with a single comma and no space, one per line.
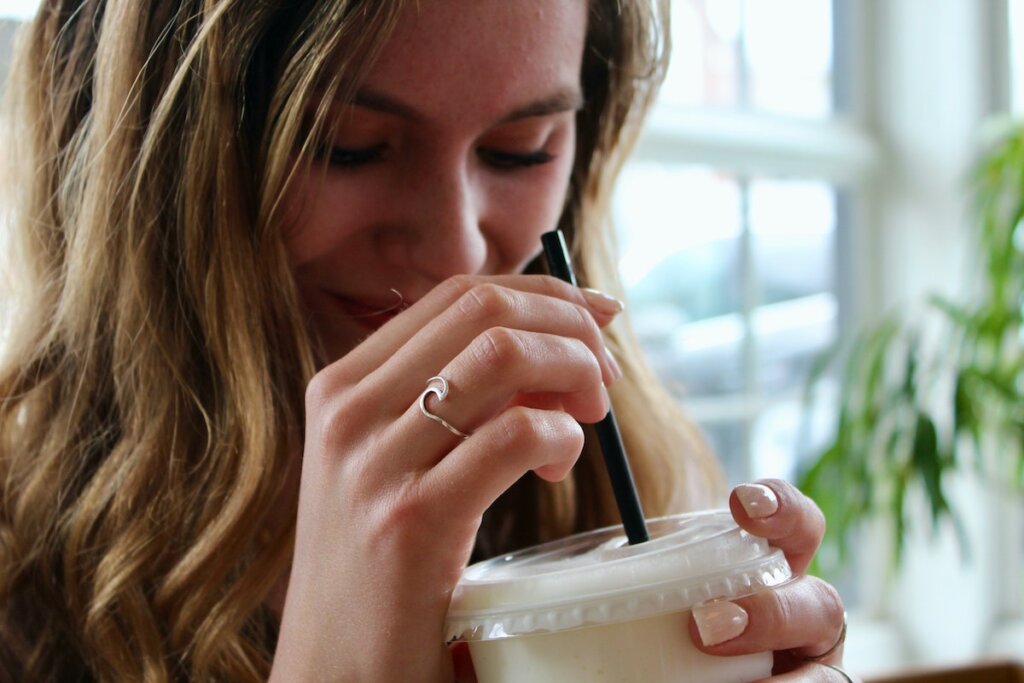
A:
719,621
613,364
758,500
601,302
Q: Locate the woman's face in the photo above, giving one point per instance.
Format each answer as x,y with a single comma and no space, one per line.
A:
453,158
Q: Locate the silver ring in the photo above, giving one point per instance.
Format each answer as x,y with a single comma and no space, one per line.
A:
441,394
839,641
842,673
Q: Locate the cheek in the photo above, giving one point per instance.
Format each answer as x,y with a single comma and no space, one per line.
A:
316,212
529,209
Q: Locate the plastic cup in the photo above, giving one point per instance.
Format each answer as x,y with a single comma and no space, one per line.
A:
591,608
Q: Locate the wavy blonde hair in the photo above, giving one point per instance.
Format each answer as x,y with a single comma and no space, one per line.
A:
151,392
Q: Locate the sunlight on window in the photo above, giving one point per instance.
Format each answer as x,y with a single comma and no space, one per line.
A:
731,290
665,209
754,55
705,67
18,9
789,56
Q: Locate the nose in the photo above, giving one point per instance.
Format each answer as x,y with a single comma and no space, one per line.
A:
442,231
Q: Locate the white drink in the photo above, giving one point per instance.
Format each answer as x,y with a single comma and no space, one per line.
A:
590,608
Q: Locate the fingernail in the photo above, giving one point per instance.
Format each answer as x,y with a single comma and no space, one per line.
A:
613,364
719,621
601,302
758,500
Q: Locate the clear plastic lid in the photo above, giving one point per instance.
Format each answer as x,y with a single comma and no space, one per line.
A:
597,578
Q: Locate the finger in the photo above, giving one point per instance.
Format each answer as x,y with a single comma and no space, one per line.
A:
503,368
387,341
813,673
462,663
775,510
804,616
519,440
484,308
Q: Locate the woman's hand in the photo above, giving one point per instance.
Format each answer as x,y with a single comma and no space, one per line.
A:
390,501
802,621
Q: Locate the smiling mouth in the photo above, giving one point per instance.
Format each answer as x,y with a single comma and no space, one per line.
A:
370,316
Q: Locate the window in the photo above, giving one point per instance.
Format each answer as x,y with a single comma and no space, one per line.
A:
1008,637
19,9
766,215
729,217
752,55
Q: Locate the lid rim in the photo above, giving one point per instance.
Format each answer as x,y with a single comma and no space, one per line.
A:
535,622
746,567
706,555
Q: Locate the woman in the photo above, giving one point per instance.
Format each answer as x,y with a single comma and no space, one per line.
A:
248,234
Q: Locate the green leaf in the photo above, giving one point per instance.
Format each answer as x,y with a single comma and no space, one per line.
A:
887,438
928,463
965,415
960,315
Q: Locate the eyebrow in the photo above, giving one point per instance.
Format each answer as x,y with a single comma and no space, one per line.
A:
567,99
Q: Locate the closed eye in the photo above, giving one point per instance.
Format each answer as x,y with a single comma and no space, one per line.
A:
344,157
511,160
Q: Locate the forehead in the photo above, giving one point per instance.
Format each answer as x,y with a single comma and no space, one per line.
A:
498,49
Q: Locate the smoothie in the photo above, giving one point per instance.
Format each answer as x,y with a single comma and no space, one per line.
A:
591,608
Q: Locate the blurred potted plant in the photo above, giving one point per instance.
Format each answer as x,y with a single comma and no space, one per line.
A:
912,410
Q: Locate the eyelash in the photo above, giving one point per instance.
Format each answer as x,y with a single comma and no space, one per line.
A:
344,158
511,161
341,157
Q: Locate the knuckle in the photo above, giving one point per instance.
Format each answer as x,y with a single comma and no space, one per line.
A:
520,429
556,287
405,507
809,522
583,357
589,331
571,432
322,391
828,600
485,301
817,523
325,386
587,354
536,431
317,393
496,348
457,285
780,610
328,419
586,321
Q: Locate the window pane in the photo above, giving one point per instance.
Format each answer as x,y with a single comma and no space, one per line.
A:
705,67
774,439
729,442
680,229
788,51
18,9
772,56
792,225
7,30
704,358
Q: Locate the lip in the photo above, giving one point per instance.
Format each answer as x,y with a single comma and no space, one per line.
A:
369,315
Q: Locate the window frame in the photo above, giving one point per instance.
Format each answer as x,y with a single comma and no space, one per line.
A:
872,152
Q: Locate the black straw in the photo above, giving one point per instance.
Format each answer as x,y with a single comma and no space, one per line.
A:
615,461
